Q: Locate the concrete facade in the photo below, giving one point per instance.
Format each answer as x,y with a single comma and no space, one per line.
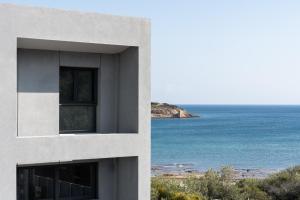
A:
35,43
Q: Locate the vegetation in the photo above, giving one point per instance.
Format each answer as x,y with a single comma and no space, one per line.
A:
221,185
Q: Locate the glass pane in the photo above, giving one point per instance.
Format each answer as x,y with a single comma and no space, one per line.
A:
85,86
23,184
35,183
71,181
76,181
77,118
66,84
43,183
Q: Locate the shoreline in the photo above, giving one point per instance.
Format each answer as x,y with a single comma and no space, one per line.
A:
180,171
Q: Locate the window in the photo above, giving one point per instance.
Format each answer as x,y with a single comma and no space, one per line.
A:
78,100
57,182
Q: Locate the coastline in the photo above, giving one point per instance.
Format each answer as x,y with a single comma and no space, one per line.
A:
181,171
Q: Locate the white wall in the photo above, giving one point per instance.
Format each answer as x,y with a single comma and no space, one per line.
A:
57,30
107,179
38,97
128,99
127,178
76,59
118,178
108,92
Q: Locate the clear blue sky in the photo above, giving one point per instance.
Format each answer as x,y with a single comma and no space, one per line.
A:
214,52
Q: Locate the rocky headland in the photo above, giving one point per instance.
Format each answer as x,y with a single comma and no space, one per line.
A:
164,110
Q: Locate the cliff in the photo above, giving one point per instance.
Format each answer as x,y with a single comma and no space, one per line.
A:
164,110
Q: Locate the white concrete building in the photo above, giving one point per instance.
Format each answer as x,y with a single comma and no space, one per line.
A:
74,105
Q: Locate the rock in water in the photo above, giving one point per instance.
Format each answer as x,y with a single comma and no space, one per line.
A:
164,110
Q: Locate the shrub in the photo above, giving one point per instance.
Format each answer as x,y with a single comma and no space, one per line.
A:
284,185
185,196
171,189
250,189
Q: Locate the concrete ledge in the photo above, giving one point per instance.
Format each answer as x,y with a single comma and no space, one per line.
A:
70,147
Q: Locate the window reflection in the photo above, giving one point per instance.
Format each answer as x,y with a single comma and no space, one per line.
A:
72,181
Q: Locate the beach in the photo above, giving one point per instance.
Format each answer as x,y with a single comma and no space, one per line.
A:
186,170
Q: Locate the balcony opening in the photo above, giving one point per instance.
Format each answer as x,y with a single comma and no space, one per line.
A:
105,179
74,90
69,181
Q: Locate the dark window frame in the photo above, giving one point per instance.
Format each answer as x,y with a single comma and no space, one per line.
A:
92,103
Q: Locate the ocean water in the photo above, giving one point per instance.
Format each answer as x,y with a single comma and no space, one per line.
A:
244,137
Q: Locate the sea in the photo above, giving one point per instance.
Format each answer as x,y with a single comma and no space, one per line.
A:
240,136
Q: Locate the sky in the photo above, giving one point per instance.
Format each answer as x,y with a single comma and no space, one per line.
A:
213,51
